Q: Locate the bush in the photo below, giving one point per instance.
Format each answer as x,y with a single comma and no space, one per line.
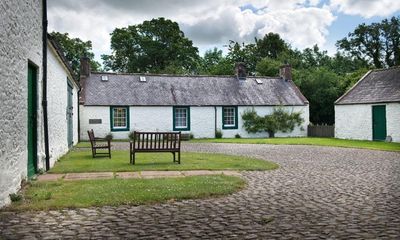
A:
218,134
109,136
191,136
131,135
237,135
15,197
279,120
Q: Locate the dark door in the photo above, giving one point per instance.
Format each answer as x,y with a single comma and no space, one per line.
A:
70,108
32,120
379,122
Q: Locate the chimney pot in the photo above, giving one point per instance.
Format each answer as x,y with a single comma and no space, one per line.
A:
285,72
240,71
85,67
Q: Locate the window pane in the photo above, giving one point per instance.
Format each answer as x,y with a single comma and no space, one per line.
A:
119,117
180,117
229,116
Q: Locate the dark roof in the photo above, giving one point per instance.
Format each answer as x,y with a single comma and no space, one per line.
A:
377,86
167,90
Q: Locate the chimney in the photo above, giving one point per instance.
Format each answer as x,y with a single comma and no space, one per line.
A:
84,73
285,72
85,67
240,71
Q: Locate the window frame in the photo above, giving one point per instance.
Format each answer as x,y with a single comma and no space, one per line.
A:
235,125
174,127
119,129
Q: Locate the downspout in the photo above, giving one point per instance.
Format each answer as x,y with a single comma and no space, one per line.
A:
79,115
44,82
215,121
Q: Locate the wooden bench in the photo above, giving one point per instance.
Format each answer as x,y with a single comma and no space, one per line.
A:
104,144
156,142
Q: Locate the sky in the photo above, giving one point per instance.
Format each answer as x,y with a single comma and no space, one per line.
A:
212,23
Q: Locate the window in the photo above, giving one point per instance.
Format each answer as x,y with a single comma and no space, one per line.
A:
181,118
229,118
119,118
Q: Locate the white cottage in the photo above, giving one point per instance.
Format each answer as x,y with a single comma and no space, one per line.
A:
33,136
200,105
370,110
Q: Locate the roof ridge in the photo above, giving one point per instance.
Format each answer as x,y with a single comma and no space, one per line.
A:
385,69
353,87
179,75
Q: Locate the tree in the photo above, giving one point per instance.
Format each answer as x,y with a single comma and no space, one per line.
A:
279,120
271,46
268,67
73,49
153,46
321,87
378,42
214,63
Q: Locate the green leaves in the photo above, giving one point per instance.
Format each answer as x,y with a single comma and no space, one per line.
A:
279,120
156,46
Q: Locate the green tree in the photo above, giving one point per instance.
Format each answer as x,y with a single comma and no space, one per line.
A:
153,46
378,42
73,49
214,63
271,46
279,120
321,87
268,67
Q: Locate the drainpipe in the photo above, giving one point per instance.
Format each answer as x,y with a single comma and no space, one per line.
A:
44,82
215,120
79,115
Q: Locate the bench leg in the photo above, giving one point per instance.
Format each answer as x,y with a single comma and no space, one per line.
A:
173,153
133,159
179,157
109,152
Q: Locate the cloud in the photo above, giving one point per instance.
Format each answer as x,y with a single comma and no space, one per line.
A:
206,22
366,8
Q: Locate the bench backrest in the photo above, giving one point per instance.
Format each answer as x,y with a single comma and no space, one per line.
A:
91,137
157,140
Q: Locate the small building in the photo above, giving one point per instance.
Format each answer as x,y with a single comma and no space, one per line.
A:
370,110
199,105
31,65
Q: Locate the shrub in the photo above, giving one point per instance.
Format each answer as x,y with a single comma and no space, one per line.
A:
237,135
15,197
109,136
191,136
218,134
131,135
279,120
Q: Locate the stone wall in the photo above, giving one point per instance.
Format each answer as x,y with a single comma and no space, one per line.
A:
355,121
202,121
20,43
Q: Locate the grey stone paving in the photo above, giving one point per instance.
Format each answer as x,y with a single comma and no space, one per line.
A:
318,193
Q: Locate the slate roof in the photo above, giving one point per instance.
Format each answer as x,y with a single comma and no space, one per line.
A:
171,90
377,86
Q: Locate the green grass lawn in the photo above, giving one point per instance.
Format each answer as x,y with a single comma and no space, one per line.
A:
82,161
333,142
113,192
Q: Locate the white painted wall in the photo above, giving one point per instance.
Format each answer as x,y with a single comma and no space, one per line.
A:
355,121
20,42
160,119
57,97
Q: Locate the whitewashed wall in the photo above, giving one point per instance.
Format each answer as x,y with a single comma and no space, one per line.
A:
57,97
355,121
160,119
20,42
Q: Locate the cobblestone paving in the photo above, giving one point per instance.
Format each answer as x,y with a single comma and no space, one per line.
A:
318,193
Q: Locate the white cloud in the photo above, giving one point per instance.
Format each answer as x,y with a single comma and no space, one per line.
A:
366,8
206,22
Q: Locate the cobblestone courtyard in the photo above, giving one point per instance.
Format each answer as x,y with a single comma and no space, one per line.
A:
317,193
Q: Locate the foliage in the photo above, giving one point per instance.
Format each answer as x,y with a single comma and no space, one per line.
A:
109,136
321,87
114,192
74,49
214,63
268,67
131,135
378,42
156,46
333,142
218,134
237,135
279,120
15,197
